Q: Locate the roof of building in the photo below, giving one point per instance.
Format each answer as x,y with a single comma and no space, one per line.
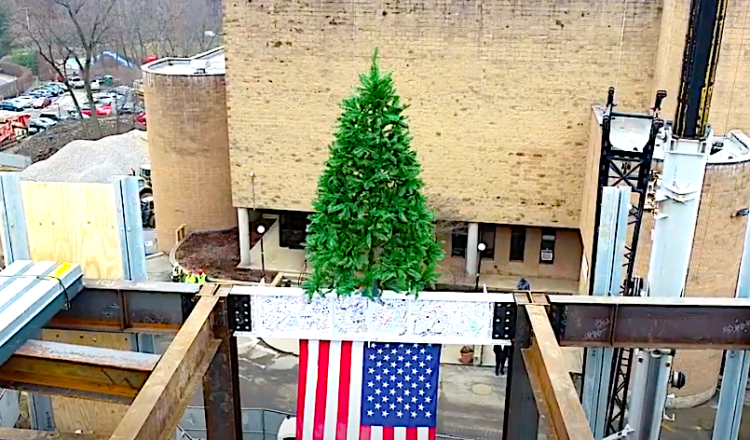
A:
631,134
211,62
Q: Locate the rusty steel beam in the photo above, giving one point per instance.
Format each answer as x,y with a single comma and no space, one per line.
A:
648,322
156,410
221,388
28,434
77,371
554,392
521,420
128,306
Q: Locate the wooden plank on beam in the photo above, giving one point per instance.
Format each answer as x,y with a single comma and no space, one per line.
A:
28,434
77,371
158,407
553,387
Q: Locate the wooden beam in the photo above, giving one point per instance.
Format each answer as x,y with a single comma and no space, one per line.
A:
77,371
553,388
28,434
521,421
158,407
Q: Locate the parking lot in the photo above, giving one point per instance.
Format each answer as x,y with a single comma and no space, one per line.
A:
60,104
108,101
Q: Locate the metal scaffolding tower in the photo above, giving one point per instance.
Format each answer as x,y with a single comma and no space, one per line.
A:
631,169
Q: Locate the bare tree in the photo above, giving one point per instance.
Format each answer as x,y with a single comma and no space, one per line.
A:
37,27
166,28
90,20
64,30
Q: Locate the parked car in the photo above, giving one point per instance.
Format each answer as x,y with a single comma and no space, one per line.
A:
96,85
60,85
73,114
25,101
54,89
76,83
101,110
41,93
10,105
51,116
127,108
141,118
40,124
42,102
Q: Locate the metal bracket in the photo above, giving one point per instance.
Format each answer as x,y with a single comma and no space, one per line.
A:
620,435
504,321
239,313
559,319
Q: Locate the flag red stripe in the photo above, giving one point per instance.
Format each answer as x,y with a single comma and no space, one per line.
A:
321,391
433,433
301,386
388,432
364,432
411,433
342,417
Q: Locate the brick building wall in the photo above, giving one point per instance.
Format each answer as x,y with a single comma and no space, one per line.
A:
730,106
189,150
499,94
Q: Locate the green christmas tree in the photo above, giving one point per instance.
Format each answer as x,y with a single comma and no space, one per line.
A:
372,229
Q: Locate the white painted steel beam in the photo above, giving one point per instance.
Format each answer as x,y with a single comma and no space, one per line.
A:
678,199
607,281
130,223
12,220
30,295
436,317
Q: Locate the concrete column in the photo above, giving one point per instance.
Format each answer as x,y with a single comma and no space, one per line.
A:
243,220
472,254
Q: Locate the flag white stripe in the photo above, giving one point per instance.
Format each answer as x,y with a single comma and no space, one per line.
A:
376,433
355,391
332,390
310,386
423,433
399,433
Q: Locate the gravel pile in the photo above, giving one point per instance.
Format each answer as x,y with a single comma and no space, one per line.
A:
92,161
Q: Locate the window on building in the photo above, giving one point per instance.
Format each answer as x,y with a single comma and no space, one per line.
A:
293,229
487,236
547,249
517,243
459,237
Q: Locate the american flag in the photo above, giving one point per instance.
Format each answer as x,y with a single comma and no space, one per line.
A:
367,391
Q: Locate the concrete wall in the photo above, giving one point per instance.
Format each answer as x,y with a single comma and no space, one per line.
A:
188,146
499,94
714,265
590,187
23,81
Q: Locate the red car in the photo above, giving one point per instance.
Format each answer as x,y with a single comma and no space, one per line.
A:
101,110
41,102
141,118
